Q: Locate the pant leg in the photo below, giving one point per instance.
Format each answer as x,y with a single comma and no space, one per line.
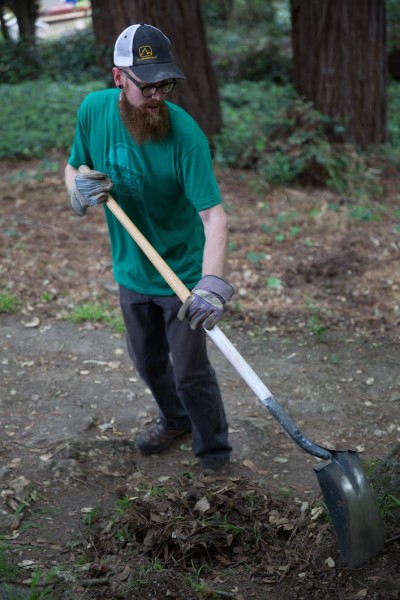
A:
186,388
148,349
197,386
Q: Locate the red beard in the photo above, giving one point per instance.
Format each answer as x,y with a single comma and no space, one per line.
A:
142,124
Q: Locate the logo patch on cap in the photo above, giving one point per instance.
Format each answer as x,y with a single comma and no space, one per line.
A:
146,52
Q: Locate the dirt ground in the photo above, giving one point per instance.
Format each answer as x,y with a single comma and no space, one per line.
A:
316,313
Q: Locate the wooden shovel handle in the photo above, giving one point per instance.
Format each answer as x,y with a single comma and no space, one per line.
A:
218,337
159,263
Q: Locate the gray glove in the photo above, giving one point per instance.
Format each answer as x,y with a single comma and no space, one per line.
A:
206,303
91,188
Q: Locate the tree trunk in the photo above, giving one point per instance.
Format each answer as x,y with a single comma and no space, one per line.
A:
339,63
3,24
182,23
26,12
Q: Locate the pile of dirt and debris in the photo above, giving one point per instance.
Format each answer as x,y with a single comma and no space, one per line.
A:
208,532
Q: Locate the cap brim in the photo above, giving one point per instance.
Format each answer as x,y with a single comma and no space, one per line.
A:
157,72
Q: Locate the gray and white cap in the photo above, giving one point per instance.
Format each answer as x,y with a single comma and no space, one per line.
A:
147,52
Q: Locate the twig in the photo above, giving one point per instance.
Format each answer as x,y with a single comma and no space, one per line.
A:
22,584
393,539
98,581
364,585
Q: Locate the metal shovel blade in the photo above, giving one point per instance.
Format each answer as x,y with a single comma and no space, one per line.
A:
359,528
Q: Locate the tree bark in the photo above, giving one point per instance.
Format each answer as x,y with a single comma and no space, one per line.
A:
26,12
339,63
182,23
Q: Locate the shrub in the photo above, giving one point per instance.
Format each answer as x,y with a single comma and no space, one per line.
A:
284,139
255,43
30,129
73,58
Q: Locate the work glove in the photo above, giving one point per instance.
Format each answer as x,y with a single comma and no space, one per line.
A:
206,303
91,188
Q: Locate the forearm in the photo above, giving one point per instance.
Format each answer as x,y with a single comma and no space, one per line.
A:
215,255
206,303
216,244
69,177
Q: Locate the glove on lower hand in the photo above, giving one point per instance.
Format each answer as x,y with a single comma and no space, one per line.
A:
206,303
91,188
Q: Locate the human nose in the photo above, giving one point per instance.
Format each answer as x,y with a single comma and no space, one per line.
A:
157,92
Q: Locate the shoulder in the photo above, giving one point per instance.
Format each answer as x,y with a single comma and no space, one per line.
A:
99,98
183,123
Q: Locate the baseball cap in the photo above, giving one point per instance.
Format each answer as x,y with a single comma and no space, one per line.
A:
147,52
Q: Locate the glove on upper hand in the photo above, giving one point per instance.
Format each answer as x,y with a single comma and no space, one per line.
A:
206,303
91,188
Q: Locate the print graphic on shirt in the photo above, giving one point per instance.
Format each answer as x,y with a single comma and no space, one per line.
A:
126,170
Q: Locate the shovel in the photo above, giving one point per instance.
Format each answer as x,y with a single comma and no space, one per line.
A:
358,526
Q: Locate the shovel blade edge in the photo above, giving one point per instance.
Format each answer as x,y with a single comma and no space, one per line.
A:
358,526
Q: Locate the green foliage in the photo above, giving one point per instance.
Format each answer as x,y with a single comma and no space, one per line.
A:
97,313
7,571
389,507
274,283
284,139
153,566
360,212
393,24
31,128
256,257
255,41
317,326
316,323
335,359
394,114
40,586
18,62
251,112
8,302
71,58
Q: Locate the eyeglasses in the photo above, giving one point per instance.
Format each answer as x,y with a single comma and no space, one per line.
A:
150,90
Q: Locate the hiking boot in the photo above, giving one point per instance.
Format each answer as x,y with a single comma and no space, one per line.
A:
158,438
214,473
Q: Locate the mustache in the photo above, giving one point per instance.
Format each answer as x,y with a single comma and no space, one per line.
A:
153,104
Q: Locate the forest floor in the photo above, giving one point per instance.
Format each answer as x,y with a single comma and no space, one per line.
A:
316,313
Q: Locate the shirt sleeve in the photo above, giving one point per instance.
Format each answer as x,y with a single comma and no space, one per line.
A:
198,179
80,154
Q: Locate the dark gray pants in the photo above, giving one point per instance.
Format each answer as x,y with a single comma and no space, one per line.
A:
172,360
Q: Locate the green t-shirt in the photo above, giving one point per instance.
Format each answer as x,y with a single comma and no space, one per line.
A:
161,186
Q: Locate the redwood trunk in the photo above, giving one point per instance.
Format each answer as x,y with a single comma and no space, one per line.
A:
26,12
339,63
181,21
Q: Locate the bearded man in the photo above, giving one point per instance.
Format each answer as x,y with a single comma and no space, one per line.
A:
157,162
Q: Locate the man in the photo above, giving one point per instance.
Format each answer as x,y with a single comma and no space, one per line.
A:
157,162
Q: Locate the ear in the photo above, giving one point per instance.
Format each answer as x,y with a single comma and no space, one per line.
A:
118,76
